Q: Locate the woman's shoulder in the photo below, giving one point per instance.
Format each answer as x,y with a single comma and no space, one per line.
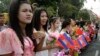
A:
7,30
8,33
10,41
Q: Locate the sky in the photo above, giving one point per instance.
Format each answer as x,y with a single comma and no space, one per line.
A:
94,6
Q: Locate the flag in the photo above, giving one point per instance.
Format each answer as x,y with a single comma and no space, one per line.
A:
79,31
68,40
65,38
86,35
82,40
77,44
62,42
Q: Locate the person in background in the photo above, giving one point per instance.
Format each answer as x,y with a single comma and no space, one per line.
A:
82,22
54,34
61,21
2,24
74,35
65,27
73,28
97,28
17,40
79,30
40,25
54,24
85,27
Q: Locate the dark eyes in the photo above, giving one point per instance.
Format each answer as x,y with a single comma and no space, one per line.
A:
43,16
26,10
30,11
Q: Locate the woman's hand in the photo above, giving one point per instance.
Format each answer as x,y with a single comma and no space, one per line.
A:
38,34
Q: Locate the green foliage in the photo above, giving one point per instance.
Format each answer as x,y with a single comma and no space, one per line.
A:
77,3
84,13
4,5
51,11
66,8
51,5
70,8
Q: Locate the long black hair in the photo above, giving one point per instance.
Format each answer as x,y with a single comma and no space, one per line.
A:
37,19
65,23
14,21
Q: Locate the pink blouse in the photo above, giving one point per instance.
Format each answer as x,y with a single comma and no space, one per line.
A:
9,43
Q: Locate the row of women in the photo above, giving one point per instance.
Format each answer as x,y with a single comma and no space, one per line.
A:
31,33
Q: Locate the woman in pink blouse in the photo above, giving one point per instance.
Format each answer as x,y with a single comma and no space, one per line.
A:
17,40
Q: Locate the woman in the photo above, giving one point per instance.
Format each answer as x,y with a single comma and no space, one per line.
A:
65,27
54,34
17,39
40,24
54,24
74,36
73,28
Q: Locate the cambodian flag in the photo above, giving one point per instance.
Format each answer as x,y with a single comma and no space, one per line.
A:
65,39
62,42
69,40
73,43
82,41
77,44
86,35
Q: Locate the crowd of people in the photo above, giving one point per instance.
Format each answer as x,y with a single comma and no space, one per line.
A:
31,32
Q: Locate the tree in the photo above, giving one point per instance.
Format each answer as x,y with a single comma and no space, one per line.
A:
64,8
50,5
4,5
84,13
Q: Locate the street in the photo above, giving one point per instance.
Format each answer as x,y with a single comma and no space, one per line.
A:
93,49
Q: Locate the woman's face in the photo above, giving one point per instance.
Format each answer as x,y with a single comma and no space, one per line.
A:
57,23
25,13
73,22
43,17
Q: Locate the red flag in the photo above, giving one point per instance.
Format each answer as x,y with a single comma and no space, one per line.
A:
86,35
91,31
79,31
77,44
82,40
61,42
69,43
